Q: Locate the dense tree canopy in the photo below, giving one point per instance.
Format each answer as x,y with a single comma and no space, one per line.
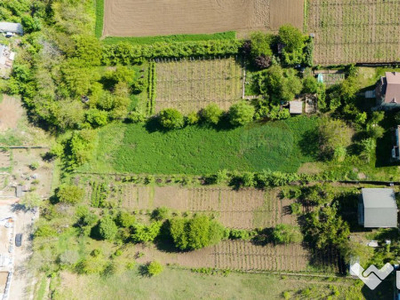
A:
70,194
333,134
241,113
196,232
212,113
107,228
171,118
279,84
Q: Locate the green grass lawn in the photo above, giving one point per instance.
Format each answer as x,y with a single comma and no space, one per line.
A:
278,146
98,31
228,35
183,284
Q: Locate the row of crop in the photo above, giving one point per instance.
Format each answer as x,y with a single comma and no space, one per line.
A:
126,54
263,179
151,89
99,194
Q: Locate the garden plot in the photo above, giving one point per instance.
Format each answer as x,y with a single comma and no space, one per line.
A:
10,112
354,31
247,208
154,17
31,171
190,85
244,256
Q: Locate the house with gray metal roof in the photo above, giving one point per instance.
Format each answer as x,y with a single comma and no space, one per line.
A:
377,208
11,27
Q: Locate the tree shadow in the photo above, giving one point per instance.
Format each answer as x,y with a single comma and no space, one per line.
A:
263,237
17,207
309,144
153,125
385,144
164,241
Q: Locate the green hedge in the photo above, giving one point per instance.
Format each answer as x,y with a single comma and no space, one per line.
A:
228,35
98,31
126,54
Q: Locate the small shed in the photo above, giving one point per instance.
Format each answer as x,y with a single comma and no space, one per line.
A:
18,191
7,27
296,107
377,208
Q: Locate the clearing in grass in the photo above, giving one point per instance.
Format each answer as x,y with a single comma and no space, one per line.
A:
135,148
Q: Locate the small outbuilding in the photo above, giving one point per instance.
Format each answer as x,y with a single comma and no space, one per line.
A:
18,191
14,28
387,90
377,208
296,107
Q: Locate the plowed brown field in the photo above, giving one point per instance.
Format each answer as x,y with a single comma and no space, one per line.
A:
166,17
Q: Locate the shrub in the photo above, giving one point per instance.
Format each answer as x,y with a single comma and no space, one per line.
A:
143,233
107,228
154,268
310,85
296,208
171,118
222,176
241,113
126,54
240,234
340,154
192,118
92,265
368,147
161,213
70,194
195,233
80,147
285,234
279,84
33,166
318,194
212,113
324,228
136,117
97,118
125,219
375,131
293,40
332,135
292,37
45,231
260,44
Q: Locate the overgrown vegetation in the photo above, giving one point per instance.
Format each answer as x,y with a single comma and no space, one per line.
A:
98,97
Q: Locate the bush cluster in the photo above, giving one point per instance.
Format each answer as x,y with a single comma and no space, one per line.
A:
128,54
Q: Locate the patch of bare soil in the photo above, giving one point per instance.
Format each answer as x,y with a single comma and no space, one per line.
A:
38,180
3,281
166,17
4,240
10,112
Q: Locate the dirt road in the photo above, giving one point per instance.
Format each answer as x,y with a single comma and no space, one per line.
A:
22,279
